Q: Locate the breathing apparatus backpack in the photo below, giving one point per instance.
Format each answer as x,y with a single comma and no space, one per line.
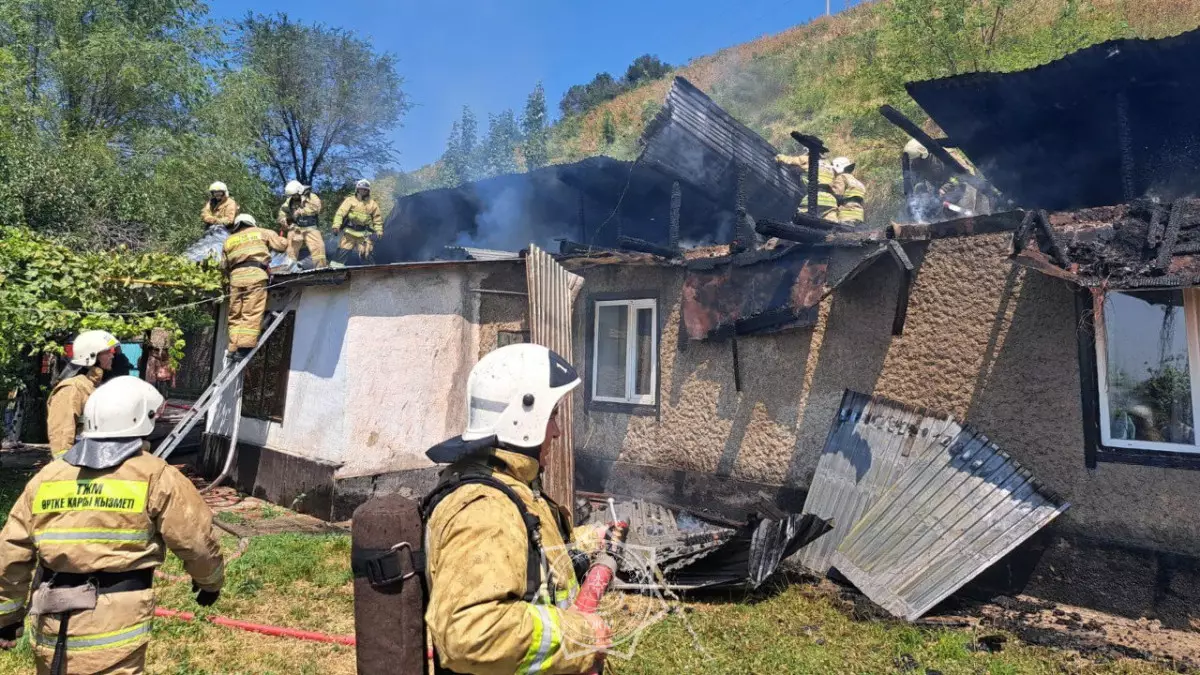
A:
390,592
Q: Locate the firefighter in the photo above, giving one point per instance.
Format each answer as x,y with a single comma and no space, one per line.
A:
92,526
298,219
359,223
827,203
500,588
220,209
850,192
937,193
248,264
91,356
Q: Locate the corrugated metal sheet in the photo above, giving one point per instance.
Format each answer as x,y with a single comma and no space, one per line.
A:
552,293
694,139
951,514
869,444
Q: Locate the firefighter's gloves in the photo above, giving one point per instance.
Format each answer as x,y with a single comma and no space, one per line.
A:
205,598
10,634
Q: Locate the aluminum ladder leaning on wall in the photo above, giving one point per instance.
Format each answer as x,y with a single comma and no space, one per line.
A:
231,375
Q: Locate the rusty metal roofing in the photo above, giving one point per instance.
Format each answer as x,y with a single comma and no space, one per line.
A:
951,514
1051,137
870,443
694,139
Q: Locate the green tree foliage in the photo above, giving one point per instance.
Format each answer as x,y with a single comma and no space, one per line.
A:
536,147
608,132
499,151
330,99
468,145
581,98
49,292
463,160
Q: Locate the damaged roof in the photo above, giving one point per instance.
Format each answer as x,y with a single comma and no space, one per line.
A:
1053,137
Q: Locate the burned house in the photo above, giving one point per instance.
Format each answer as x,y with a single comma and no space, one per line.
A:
1063,336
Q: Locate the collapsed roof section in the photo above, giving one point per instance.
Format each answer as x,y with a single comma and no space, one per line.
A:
1103,125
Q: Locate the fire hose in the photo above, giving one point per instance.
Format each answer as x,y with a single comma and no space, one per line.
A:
264,629
599,577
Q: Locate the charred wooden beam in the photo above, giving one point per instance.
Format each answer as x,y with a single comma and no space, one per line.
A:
643,246
1167,247
936,149
790,232
907,274
737,366
568,247
816,147
676,207
1008,221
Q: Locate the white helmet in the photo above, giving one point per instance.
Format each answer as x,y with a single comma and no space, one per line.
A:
244,219
843,164
293,188
363,184
915,150
90,344
218,187
124,407
511,395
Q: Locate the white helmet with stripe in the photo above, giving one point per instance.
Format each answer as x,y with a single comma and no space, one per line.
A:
89,345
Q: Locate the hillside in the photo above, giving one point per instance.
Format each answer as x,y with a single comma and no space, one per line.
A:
828,77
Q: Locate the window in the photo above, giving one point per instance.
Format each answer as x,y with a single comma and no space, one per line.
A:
266,377
1148,368
625,352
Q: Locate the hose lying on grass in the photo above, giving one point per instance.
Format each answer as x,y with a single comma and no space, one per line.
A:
276,631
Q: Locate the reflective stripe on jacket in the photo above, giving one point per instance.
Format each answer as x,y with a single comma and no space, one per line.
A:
851,195
251,245
64,409
363,216
477,550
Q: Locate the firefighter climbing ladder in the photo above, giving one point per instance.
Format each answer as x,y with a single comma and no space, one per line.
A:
231,375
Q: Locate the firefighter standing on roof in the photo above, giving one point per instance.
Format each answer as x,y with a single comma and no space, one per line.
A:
91,355
827,203
98,521
298,219
489,611
220,209
850,192
248,263
360,224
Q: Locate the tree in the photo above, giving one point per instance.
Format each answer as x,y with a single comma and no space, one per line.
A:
499,155
533,124
331,99
468,145
609,130
644,69
583,97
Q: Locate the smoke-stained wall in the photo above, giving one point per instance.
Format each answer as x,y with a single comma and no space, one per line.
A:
988,342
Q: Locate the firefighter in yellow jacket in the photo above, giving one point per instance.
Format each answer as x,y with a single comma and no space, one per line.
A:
91,356
495,606
360,224
220,209
248,264
94,525
298,218
850,192
827,204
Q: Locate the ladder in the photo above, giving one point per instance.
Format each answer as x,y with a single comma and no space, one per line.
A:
231,374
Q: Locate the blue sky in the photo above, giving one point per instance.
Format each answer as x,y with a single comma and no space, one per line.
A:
489,53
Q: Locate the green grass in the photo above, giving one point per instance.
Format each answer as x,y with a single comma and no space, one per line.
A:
12,482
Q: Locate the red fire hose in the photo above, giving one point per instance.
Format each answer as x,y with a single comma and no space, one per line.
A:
596,581
258,627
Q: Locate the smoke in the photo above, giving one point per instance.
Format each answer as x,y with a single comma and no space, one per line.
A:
210,246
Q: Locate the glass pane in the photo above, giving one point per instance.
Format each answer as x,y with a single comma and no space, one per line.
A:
612,327
1149,385
645,360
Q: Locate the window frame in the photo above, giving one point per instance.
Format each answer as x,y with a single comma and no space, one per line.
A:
632,304
1099,446
254,405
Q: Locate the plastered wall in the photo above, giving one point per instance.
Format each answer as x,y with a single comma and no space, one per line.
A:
984,340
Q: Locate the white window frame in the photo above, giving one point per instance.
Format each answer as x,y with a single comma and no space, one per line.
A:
1191,313
631,307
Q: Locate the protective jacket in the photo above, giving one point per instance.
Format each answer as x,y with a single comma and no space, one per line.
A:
360,217
300,214
483,616
64,408
106,511
827,203
852,196
219,213
248,255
